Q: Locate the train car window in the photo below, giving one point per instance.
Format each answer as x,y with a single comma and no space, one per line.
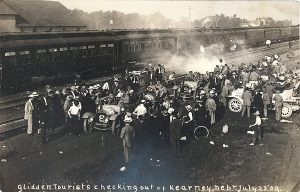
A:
82,51
41,55
148,45
130,47
91,51
160,43
73,52
10,58
143,45
23,57
110,49
137,46
52,54
1,60
63,52
154,45
286,31
102,50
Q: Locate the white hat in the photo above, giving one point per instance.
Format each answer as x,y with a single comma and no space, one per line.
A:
281,78
170,110
150,64
143,101
91,87
33,94
127,119
257,113
188,107
212,91
95,87
202,92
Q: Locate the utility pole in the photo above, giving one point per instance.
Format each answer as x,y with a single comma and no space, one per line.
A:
190,16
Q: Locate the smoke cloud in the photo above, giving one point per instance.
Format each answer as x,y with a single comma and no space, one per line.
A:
202,61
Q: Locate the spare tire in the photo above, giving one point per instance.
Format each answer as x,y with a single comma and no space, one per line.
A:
235,105
287,110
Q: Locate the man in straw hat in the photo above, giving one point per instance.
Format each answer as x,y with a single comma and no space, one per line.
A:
31,113
258,130
127,135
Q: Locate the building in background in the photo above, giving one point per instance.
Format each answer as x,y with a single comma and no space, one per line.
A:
37,16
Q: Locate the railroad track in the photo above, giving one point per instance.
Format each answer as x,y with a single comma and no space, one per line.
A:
17,122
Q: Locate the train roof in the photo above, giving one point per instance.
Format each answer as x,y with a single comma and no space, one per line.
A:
9,36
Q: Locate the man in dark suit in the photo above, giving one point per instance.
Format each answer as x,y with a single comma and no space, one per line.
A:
175,133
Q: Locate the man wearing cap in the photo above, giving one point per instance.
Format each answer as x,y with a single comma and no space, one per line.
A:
247,99
258,130
127,135
278,104
31,113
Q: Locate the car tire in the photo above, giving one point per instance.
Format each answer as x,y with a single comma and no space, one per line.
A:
287,110
87,126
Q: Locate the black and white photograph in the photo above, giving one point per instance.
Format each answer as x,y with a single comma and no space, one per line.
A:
149,96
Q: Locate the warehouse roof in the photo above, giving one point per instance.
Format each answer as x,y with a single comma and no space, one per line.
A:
5,9
43,13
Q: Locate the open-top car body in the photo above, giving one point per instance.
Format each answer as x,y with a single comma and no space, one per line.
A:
290,102
106,118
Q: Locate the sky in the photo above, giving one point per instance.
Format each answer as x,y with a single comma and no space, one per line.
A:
277,9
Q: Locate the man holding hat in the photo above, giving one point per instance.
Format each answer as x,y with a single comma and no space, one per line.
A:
31,115
127,135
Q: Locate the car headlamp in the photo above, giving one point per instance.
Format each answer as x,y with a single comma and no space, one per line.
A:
91,119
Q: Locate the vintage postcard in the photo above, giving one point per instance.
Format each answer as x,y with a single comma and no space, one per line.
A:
149,95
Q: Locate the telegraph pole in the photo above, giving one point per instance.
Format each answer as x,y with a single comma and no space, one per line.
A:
190,16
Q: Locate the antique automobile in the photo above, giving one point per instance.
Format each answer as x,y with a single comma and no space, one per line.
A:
107,117
188,89
290,102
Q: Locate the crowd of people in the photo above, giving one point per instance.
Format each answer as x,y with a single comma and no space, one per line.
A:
154,103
